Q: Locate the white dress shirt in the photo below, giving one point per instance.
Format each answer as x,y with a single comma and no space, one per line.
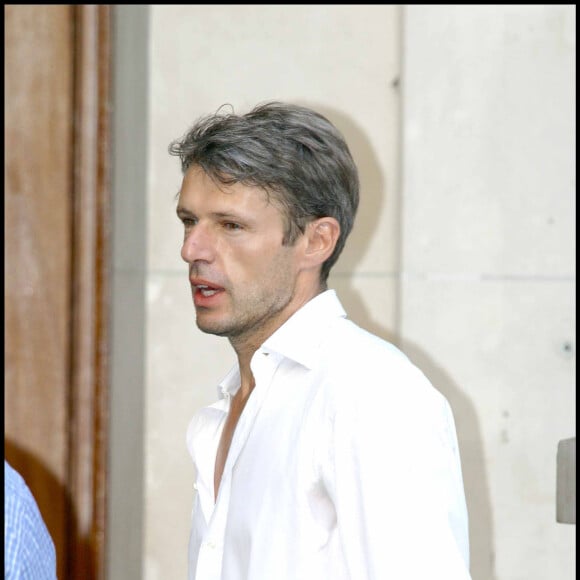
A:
344,464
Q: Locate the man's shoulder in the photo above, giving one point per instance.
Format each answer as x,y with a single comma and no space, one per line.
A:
16,491
21,512
350,344
352,356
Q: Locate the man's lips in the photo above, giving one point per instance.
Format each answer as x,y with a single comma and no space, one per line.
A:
205,287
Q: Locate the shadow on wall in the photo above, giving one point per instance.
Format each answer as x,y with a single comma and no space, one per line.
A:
373,196
375,192
473,465
56,507
372,187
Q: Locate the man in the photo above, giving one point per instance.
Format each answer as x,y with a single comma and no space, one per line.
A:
29,552
328,454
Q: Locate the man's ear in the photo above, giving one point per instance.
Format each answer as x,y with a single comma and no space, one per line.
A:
321,237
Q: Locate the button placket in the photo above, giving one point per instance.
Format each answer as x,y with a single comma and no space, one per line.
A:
263,370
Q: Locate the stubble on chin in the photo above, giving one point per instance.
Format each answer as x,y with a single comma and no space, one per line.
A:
255,322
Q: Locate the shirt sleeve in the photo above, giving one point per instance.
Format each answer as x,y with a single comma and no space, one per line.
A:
397,484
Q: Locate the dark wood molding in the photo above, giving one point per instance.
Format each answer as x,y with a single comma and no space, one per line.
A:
90,291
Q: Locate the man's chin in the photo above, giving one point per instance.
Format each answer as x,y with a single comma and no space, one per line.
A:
212,329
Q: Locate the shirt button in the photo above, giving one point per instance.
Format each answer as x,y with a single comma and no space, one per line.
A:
211,545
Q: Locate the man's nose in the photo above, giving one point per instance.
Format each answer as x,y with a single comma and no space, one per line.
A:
198,245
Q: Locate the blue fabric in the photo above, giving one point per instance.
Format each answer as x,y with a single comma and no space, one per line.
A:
29,552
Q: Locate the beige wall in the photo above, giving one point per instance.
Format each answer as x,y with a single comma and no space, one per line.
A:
452,272
488,277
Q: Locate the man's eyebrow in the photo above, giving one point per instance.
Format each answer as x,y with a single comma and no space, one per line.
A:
227,215
181,211
184,213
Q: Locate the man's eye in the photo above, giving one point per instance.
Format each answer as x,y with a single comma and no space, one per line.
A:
232,226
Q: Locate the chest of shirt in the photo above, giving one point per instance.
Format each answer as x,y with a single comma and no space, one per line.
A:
278,452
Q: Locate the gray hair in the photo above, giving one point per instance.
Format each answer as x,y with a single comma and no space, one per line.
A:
293,153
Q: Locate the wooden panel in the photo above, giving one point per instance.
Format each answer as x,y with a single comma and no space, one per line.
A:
89,369
56,264
38,154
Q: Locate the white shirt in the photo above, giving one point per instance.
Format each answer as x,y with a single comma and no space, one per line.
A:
344,464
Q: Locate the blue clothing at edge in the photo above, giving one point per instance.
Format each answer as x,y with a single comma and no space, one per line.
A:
29,552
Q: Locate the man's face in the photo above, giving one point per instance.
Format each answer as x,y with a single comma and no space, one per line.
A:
243,280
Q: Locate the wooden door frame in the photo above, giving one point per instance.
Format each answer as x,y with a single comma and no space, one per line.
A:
91,260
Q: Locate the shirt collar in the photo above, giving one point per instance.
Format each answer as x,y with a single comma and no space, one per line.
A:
297,339
230,383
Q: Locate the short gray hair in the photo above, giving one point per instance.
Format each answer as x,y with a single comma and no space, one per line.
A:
292,152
